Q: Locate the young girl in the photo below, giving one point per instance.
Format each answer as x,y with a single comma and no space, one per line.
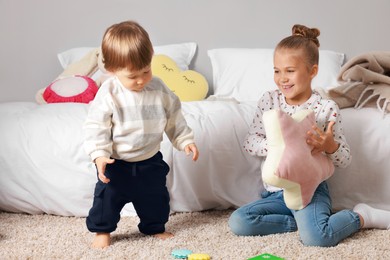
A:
123,131
295,65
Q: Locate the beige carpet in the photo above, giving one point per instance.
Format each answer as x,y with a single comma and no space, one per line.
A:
53,237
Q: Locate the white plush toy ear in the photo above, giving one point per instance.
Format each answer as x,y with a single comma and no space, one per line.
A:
290,164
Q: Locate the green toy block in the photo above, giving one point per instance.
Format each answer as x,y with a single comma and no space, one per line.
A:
265,256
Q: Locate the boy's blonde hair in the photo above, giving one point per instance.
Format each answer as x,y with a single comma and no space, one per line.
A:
303,38
126,45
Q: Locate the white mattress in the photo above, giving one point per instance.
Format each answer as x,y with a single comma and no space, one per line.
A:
43,167
367,179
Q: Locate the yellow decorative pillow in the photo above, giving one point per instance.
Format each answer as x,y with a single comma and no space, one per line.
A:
188,85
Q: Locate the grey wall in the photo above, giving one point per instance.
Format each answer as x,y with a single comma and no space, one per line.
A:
33,32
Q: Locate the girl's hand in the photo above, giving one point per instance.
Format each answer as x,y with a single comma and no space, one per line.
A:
322,141
191,148
101,163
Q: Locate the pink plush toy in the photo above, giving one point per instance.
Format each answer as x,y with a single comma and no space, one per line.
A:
79,89
75,83
290,163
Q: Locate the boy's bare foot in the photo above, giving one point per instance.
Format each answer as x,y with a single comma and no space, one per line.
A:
164,235
101,240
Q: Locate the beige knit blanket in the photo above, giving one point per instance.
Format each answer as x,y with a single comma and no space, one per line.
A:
365,81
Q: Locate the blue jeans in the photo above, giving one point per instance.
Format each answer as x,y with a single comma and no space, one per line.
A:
315,223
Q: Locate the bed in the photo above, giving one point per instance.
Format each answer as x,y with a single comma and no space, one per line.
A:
44,169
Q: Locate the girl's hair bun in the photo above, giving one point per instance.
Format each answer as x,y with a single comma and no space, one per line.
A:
309,33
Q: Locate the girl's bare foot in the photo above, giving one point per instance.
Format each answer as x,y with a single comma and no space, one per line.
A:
164,235
102,240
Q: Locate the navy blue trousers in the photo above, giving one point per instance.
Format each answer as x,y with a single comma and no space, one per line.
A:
142,183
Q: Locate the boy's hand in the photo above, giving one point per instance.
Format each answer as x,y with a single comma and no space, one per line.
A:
101,163
322,141
191,148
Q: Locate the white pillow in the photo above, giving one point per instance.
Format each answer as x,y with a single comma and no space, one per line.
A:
245,74
181,53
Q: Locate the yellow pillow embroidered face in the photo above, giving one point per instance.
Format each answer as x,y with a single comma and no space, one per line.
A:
188,85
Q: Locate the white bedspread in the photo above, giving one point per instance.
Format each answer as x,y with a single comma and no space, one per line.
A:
44,169
367,179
